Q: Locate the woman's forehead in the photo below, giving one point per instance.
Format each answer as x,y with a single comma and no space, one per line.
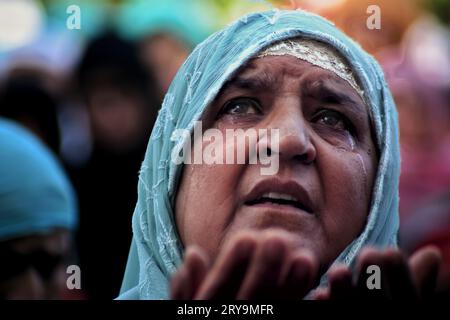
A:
269,72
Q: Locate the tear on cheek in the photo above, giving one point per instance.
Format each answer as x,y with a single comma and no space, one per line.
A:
343,141
363,173
361,162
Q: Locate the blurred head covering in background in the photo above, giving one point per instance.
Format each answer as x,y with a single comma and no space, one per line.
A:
190,21
35,194
166,32
156,250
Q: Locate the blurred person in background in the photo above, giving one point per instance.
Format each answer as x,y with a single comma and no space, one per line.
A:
163,53
38,215
166,32
25,99
418,72
429,224
115,88
425,136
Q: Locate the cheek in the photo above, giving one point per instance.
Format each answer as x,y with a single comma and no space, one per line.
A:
205,203
347,179
207,198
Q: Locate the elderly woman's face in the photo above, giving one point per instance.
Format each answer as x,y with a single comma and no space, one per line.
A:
327,161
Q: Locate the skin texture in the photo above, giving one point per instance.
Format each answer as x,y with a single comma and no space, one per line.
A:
210,205
326,149
31,283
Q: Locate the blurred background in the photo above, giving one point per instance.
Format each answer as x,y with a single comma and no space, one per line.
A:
90,90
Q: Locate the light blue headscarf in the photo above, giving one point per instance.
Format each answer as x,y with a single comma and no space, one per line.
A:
35,194
156,250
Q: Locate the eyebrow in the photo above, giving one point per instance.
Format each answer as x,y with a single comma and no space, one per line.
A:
318,89
261,81
327,94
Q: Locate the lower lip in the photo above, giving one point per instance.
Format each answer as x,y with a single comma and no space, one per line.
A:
280,207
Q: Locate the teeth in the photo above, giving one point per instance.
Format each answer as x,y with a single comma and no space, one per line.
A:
276,195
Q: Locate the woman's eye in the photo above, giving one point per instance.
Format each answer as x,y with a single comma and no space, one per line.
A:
241,107
332,119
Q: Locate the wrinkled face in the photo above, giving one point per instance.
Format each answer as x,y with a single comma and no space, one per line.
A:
327,161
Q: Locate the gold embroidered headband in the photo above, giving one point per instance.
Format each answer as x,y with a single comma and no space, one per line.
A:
316,53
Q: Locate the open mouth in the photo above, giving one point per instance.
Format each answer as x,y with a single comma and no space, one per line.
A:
280,199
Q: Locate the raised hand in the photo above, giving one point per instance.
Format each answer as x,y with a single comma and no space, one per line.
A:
251,265
401,278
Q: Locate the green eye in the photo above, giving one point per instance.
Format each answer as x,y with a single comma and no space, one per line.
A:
241,107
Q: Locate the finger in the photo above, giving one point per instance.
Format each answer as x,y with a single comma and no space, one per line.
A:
425,264
321,294
197,264
340,283
301,276
264,273
366,284
397,276
227,273
179,284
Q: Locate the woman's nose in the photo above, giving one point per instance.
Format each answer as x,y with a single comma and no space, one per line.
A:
294,141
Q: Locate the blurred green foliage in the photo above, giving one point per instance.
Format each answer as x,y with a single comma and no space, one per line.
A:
441,8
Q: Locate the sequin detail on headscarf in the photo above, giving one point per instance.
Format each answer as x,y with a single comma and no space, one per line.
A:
316,53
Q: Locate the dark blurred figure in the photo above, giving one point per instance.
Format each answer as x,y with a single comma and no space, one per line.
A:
38,215
26,100
115,88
